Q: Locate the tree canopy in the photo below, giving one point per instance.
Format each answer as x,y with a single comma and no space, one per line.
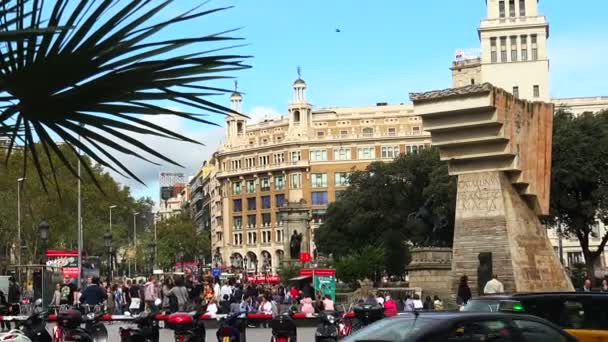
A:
579,179
382,206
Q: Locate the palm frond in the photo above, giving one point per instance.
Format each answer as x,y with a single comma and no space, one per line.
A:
88,73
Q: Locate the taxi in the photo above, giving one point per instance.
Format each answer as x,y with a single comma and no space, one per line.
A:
582,314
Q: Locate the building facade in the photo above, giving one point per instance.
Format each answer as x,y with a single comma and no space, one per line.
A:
305,156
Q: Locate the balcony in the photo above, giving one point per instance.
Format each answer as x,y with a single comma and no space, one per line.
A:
266,168
371,136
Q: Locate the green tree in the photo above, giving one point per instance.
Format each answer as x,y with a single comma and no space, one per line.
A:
380,203
579,178
89,72
367,262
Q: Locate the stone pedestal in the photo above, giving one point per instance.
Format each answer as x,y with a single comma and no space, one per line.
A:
296,217
491,217
431,270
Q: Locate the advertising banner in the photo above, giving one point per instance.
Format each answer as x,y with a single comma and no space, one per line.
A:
325,285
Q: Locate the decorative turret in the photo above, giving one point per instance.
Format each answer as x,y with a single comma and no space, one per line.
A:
300,111
235,123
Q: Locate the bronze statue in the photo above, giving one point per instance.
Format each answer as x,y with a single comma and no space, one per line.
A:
294,245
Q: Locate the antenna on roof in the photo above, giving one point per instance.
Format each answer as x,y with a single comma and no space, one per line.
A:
236,86
299,71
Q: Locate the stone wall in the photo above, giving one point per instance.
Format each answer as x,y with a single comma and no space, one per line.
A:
430,270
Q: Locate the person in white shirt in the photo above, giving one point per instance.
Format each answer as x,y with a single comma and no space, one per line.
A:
418,303
493,286
212,308
216,291
226,290
265,306
380,299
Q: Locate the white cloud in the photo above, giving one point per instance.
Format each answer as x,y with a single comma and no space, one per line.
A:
189,155
259,114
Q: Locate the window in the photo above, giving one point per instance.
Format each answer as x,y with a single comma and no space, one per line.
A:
266,220
494,55
339,193
251,221
279,217
514,49
264,160
252,238
342,153
296,181
218,236
490,330
392,131
265,202
279,183
280,236
343,133
524,48
296,156
575,258
511,8
534,331
319,198
533,41
501,8
367,152
318,155
238,222
522,8
279,200
266,236
342,179
235,164
368,132
390,152
237,205
250,162
279,158
536,90
251,203
472,81
413,149
238,239
251,186
503,49
236,188
296,116
516,91
320,134
265,184
318,215
319,180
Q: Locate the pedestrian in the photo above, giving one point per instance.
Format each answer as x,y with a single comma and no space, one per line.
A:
212,308
390,307
380,299
225,305
14,295
150,294
56,300
237,294
417,302
604,287
181,294
307,307
4,325
409,303
428,304
225,290
119,300
111,301
216,290
464,292
328,304
67,293
167,285
93,294
76,297
587,286
266,306
437,303
294,292
493,286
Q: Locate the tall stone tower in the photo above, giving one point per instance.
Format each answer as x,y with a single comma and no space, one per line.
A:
514,48
236,125
300,112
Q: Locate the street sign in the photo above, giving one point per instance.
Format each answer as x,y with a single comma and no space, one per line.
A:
216,272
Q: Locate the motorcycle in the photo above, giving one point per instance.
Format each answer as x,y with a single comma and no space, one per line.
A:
69,328
232,329
367,314
327,330
32,329
283,328
147,327
187,327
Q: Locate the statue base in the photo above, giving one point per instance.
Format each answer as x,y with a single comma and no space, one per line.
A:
431,270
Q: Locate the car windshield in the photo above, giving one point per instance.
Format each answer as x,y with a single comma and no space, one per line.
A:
481,305
393,330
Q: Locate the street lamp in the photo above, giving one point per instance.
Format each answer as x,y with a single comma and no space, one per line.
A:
181,256
107,239
135,238
152,250
19,181
43,228
111,207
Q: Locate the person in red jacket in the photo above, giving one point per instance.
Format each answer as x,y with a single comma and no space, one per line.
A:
390,307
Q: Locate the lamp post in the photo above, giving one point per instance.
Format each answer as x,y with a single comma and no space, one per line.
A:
111,207
152,250
135,239
19,181
181,256
107,239
43,229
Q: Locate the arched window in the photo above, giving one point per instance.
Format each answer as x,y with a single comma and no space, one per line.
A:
368,132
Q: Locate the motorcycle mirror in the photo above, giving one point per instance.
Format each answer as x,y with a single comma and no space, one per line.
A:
38,302
158,302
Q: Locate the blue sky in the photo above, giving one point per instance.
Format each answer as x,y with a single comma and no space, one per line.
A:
386,49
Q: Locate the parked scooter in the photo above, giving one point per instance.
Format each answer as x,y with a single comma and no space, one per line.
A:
69,328
284,328
187,327
232,329
147,327
327,330
32,329
367,314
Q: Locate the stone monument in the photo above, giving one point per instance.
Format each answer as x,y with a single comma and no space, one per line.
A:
500,149
296,217
430,270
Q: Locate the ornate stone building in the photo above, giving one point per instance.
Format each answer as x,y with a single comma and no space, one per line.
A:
306,155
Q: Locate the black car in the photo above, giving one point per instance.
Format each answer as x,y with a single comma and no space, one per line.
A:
462,326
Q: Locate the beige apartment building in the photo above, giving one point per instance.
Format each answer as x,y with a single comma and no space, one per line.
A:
307,155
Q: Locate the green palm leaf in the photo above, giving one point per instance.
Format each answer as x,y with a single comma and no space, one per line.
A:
88,73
